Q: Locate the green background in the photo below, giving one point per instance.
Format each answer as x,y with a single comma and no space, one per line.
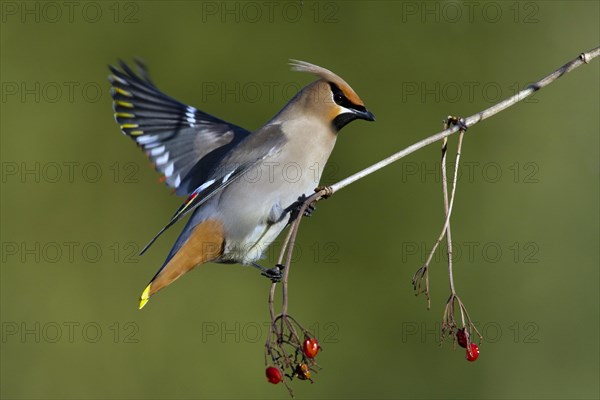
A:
526,222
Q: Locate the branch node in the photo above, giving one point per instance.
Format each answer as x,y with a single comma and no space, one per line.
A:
458,121
327,191
584,57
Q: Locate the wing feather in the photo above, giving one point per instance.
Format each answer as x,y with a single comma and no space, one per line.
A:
183,142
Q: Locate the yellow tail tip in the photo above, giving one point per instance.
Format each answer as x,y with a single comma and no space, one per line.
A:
145,296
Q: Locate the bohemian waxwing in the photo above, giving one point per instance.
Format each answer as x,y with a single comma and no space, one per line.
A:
242,187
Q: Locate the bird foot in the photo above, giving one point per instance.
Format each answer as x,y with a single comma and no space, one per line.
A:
454,120
275,274
310,209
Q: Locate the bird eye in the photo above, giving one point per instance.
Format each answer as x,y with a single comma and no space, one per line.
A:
338,98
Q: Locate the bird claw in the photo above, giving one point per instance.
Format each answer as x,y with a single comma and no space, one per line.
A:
274,274
297,207
310,209
460,122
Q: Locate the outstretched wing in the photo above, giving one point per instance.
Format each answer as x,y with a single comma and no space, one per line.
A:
183,142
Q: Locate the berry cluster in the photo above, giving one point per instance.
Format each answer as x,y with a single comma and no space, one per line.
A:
300,370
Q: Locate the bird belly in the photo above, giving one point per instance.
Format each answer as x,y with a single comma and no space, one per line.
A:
251,226
253,246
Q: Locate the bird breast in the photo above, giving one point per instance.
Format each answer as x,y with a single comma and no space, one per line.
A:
259,203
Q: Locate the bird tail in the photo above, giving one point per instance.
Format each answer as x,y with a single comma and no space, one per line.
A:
205,243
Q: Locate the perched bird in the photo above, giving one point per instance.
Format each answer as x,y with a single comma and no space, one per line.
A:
242,187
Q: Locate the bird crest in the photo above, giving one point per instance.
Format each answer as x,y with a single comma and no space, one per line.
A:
327,75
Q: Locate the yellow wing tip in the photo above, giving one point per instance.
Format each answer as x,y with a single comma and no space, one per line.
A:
145,296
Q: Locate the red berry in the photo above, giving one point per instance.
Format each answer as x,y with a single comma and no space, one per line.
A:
473,352
462,337
310,347
274,375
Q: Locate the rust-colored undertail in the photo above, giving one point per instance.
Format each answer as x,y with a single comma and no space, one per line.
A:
204,244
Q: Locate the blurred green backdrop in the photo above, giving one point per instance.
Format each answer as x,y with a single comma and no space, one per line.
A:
78,201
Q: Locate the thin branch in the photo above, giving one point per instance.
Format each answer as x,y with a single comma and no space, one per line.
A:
583,58
449,209
423,272
446,207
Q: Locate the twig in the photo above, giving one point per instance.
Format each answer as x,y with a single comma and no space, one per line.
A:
423,272
448,208
288,248
283,332
583,58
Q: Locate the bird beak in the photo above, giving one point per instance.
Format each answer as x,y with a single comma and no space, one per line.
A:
366,115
